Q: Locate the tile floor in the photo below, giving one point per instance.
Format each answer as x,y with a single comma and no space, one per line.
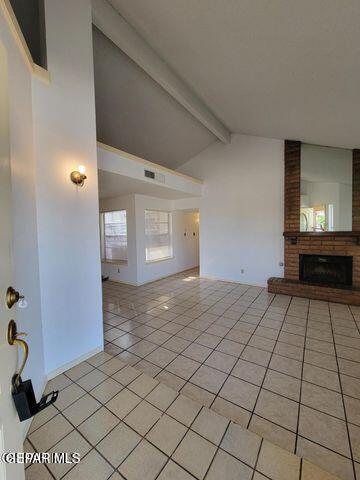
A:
128,425
287,368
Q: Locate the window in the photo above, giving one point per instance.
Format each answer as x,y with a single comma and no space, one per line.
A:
158,241
114,236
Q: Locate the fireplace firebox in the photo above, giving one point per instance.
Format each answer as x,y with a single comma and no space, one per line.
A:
326,269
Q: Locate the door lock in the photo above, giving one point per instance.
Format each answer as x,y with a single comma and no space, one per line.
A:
12,297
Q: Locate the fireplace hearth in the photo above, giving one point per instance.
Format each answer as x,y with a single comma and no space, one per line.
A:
326,270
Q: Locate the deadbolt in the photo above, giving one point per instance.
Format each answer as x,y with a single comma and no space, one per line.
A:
12,297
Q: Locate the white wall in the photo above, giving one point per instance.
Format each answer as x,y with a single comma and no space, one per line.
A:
67,216
24,208
185,247
241,211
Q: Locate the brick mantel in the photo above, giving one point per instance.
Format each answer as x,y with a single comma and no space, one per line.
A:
320,243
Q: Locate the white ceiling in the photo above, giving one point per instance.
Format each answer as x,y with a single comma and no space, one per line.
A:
275,68
115,185
134,114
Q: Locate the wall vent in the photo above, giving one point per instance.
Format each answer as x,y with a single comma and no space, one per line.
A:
159,177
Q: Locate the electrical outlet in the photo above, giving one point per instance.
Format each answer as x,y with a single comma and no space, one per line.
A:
242,271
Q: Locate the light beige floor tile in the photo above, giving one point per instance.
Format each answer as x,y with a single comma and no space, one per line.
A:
277,409
161,396
242,444
167,434
248,371
77,412
277,463
183,367
171,380
283,384
148,368
310,471
69,395
143,385
322,377
37,471
91,379
352,406
221,361
126,375
172,471
239,392
91,466
58,383
197,352
73,442
322,399
79,371
316,426
274,433
326,459
227,467
286,365
209,378
198,394
354,433
106,390
184,410
321,360
112,366
98,359
123,403
161,357
210,425
231,348
350,386
144,463
143,417
255,355
231,411
118,444
98,425
42,417
195,454
50,433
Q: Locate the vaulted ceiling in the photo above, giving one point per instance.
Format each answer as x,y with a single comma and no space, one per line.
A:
279,68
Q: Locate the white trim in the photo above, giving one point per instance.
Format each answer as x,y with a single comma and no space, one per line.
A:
227,280
76,361
123,35
147,262
147,163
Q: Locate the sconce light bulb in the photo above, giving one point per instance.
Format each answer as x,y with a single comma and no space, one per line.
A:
82,169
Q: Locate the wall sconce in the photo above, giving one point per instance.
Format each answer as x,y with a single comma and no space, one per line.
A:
78,176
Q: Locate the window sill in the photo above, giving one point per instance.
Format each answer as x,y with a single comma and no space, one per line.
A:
115,262
159,260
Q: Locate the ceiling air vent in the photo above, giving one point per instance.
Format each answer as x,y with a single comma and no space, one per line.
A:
159,177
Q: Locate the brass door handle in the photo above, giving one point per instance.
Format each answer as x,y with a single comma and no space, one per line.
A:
12,297
13,339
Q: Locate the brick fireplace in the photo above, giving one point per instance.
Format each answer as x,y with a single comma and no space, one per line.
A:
321,244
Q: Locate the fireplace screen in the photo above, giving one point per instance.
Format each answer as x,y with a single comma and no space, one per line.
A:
326,269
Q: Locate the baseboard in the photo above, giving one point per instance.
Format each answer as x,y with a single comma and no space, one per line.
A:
63,368
220,279
139,284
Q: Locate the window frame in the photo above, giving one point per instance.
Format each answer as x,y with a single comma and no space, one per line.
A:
170,223
102,238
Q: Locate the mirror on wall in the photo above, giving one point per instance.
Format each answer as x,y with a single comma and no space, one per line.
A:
326,189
